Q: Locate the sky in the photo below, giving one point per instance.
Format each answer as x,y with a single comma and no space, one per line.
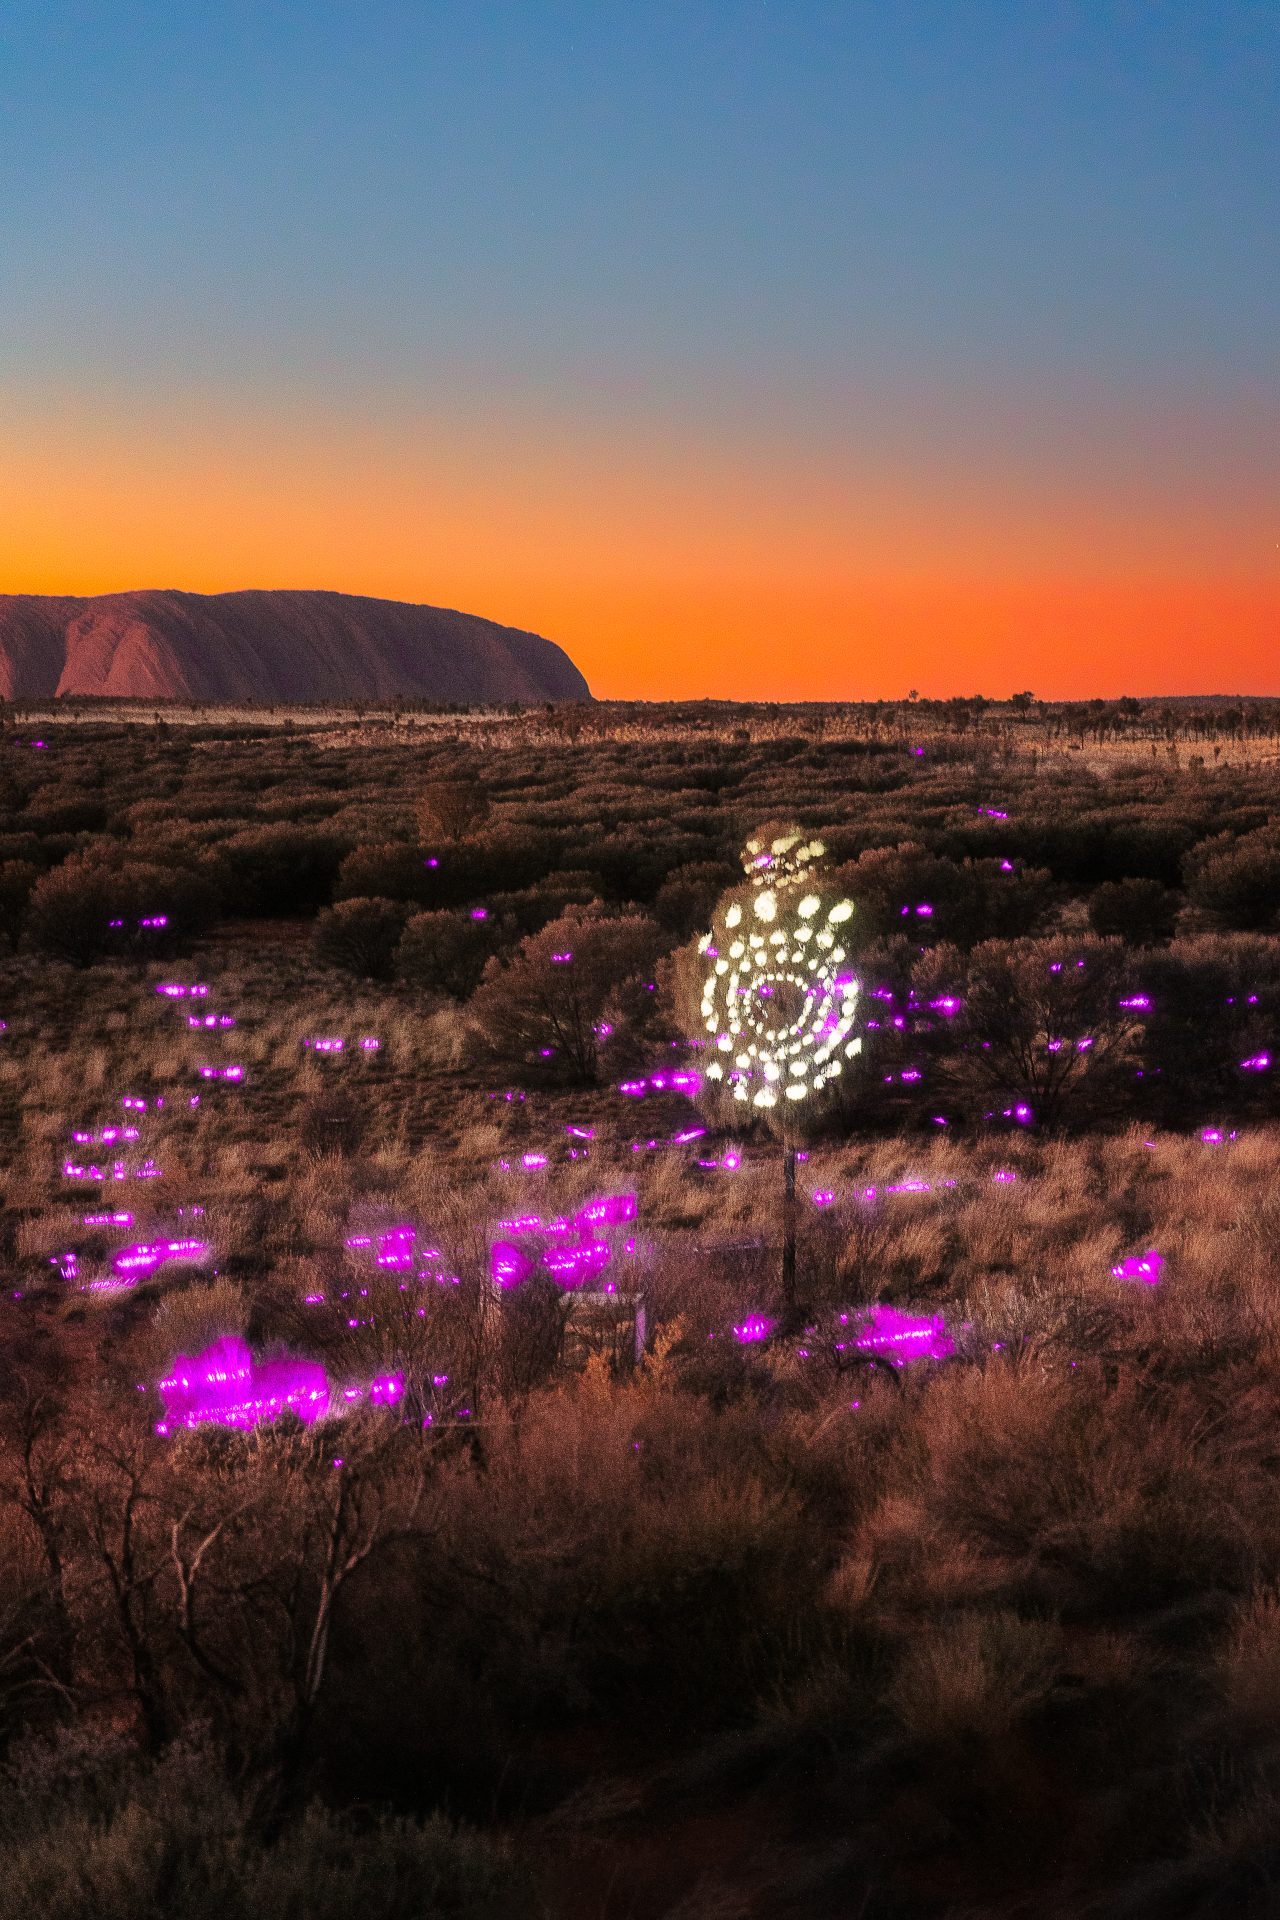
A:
764,349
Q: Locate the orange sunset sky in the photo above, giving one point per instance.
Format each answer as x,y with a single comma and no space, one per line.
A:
796,354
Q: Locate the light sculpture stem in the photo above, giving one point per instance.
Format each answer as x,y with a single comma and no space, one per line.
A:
789,1217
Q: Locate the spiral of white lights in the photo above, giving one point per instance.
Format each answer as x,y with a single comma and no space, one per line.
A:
781,937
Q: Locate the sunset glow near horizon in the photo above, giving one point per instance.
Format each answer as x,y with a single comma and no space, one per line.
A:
800,351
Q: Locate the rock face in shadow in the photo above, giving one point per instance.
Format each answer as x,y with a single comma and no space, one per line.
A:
278,647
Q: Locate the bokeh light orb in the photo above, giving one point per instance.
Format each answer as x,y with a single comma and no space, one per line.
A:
779,998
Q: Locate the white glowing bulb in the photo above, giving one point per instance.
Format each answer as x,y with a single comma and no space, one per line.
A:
840,912
766,905
733,916
808,906
715,1071
765,1099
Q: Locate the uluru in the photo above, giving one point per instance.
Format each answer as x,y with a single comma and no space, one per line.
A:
274,646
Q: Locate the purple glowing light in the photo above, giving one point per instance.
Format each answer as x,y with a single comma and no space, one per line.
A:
561,959
479,913
1004,1176
225,1386
1137,1003
369,1043
1256,1063
325,1043
757,1326
890,1333
146,1255
175,990
572,1251
1147,1268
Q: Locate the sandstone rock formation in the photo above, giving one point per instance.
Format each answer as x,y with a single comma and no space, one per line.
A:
278,647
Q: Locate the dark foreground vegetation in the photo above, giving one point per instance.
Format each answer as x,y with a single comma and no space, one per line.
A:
743,1627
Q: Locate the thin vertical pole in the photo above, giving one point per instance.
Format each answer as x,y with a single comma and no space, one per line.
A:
789,1223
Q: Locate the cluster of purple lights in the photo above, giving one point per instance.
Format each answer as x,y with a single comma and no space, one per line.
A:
1147,1268
881,1332
573,1250
689,1083
225,1386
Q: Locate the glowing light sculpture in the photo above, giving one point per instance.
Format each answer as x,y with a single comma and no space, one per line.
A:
779,997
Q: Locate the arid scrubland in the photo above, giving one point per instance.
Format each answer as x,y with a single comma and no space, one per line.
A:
745,1625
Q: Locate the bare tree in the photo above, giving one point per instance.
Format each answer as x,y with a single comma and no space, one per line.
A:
450,809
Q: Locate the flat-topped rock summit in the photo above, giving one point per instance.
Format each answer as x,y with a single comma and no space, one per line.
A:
277,646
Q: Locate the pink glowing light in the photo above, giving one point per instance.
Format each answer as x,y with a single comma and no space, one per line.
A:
890,1333
756,1326
225,1386
146,1255
1147,1268
571,1251
1256,1063
370,1043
